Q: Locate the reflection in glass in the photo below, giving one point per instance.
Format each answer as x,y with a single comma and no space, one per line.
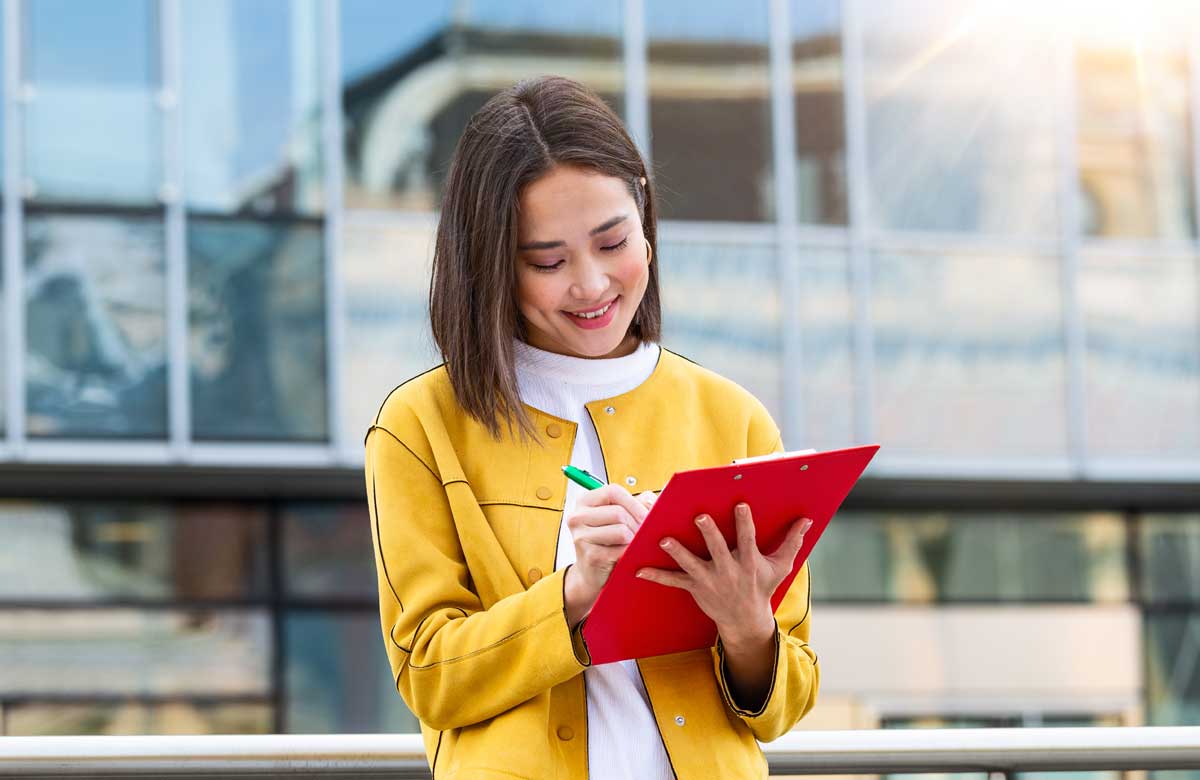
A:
251,87
95,326
710,110
257,330
1170,564
327,551
338,678
58,718
698,281
1140,351
87,551
960,116
385,281
820,129
414,73
1172,642
92,129
1134,137
992,557
116,652
827,350
955,371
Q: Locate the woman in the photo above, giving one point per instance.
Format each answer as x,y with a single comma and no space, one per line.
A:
545,303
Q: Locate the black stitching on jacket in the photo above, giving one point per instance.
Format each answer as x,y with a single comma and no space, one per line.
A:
379,544
482,650
402,384
808,606
399,441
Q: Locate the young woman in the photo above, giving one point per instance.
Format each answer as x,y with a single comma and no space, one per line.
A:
545,304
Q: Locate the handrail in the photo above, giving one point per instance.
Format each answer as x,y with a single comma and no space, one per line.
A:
805,752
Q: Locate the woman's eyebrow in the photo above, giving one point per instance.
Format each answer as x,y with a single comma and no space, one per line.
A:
598,229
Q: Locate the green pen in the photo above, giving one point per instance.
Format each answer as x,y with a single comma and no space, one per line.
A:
582,478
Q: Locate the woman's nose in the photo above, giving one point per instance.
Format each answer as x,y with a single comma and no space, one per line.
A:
590,281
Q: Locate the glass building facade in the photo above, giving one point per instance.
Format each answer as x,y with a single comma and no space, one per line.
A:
965,231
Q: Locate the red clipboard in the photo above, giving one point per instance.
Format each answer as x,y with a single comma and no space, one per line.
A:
634,618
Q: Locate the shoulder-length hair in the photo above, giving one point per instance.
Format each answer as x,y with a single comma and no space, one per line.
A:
516,137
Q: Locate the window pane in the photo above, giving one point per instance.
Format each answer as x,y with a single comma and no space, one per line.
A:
820,129
969,355
1172,669
698,280
990,557
327,551
91,551
95,326
1141,351
1134,136
960,116
827,347
338,678
257,330
710,110
1170,565
47,719
252,88
385,279
98,61
413,74
117,652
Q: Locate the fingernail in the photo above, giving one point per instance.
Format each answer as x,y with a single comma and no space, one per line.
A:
807,523
665,543
640,575
701,520
743,507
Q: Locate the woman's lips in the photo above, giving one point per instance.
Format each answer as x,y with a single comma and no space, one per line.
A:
594,323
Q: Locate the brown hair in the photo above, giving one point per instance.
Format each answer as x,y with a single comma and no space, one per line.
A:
516,137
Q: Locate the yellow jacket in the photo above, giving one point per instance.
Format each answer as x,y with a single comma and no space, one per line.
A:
465,531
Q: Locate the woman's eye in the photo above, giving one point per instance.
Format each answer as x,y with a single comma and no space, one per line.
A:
617,246
545,268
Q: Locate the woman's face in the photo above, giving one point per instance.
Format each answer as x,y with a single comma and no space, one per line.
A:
580,251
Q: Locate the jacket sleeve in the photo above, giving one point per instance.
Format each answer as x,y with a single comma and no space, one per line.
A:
796,676
455,663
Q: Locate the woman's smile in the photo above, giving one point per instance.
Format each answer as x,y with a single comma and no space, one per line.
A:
596,317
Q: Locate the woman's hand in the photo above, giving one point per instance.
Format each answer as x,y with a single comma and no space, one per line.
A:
602,525
733,588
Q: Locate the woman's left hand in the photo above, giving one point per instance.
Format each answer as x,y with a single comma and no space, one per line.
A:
734,587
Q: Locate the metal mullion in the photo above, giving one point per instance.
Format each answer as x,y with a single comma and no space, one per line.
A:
794,403
921,241
14,248
756,233
1069,242
331,148
1193,56
858,207
179,400
257,453
633,51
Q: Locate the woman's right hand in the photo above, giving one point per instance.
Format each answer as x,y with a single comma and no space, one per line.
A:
602,525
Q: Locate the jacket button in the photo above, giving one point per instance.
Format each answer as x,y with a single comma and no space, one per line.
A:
544,493
535,574
679,721
610,410
565,733
554,430
631,480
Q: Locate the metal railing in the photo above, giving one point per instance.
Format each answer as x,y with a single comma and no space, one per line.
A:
403,755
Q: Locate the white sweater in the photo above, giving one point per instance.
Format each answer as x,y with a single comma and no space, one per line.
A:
623,739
